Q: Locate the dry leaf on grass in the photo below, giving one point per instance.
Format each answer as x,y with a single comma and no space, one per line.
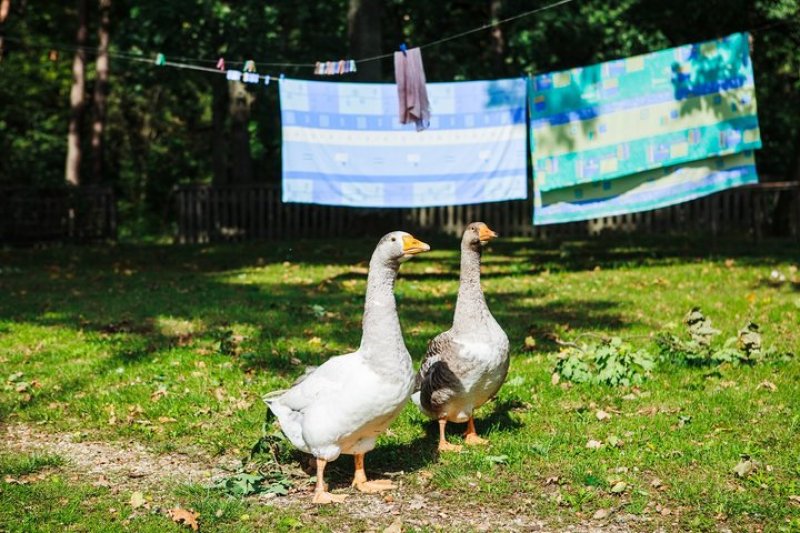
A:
768,385
602,415
186,517
137,500
600,514
594,444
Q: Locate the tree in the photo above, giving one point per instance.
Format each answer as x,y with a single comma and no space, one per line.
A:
5,7
100,90
77,99
364,35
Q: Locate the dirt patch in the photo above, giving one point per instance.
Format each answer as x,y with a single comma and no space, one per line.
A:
128,466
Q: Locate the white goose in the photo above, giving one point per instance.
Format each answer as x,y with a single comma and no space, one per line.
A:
465,366
342,406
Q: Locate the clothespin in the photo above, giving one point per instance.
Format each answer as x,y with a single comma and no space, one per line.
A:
234,75
340,67
404,49
249,66
352,65
317,68
221,64
281,76
53,55
266,79
160,59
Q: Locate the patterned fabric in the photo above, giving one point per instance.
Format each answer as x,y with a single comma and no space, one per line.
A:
643,132
343,144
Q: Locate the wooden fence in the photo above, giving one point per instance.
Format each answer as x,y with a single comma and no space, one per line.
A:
57,214
234,213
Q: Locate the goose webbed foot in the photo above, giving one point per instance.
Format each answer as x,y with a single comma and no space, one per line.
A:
321,494
374,486
445,446
360,479
324,497
471,437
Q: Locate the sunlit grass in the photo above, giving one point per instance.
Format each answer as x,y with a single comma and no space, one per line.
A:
174,346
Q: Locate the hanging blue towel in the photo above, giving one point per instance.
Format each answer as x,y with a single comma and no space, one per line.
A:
343,144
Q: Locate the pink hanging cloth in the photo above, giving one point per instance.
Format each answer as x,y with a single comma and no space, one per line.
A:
411,91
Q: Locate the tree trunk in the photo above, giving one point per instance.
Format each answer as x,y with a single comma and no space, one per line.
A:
240,102
219,147
365,36
77,100
5,7
100,91
498,48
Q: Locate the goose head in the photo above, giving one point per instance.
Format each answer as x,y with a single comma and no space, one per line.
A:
397,247
477,235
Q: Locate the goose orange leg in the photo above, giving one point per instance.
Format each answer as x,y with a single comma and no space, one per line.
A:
471,437
322,496
445,446
360,479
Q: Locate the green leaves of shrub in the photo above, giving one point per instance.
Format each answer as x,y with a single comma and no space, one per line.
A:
609,362
243,484
700,348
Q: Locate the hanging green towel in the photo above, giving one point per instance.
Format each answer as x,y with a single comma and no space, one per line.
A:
594,128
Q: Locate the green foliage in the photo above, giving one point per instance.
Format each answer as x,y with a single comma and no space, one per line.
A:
609,362
160,122
700,349
247,484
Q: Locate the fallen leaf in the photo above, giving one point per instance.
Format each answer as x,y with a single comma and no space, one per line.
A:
314,341
530,343
619,487
768,385
137,500
602,415
594,444
600,514
794,499
656,483
186,517
158,394
551,480
744,468
166,419
555,378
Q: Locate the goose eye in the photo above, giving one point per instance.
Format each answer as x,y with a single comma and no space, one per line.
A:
394,239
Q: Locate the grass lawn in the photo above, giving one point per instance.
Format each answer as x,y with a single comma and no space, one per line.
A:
167,350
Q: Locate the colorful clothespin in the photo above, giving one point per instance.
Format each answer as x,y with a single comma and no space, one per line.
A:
352,65
404,49
160,59
340,67
53,55
266,79
317,68
249,66
221,64
281,76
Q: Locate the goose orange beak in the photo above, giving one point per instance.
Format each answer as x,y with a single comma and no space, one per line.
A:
414,246
485,234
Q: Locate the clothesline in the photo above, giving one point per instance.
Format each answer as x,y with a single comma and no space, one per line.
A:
183,62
